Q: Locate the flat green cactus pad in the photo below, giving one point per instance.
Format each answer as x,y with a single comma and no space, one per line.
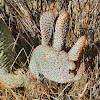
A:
14,80
52,64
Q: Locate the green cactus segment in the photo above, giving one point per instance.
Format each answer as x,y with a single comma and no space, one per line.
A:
61,31
46,26
6,45
14,80
52,64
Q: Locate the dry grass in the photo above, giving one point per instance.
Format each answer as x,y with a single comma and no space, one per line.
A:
22,17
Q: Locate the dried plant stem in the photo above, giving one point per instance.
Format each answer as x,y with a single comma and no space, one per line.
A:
81,95
64,90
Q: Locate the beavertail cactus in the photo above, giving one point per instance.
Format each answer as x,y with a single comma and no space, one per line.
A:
61,31
75,50
14,80
54,64
46,26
